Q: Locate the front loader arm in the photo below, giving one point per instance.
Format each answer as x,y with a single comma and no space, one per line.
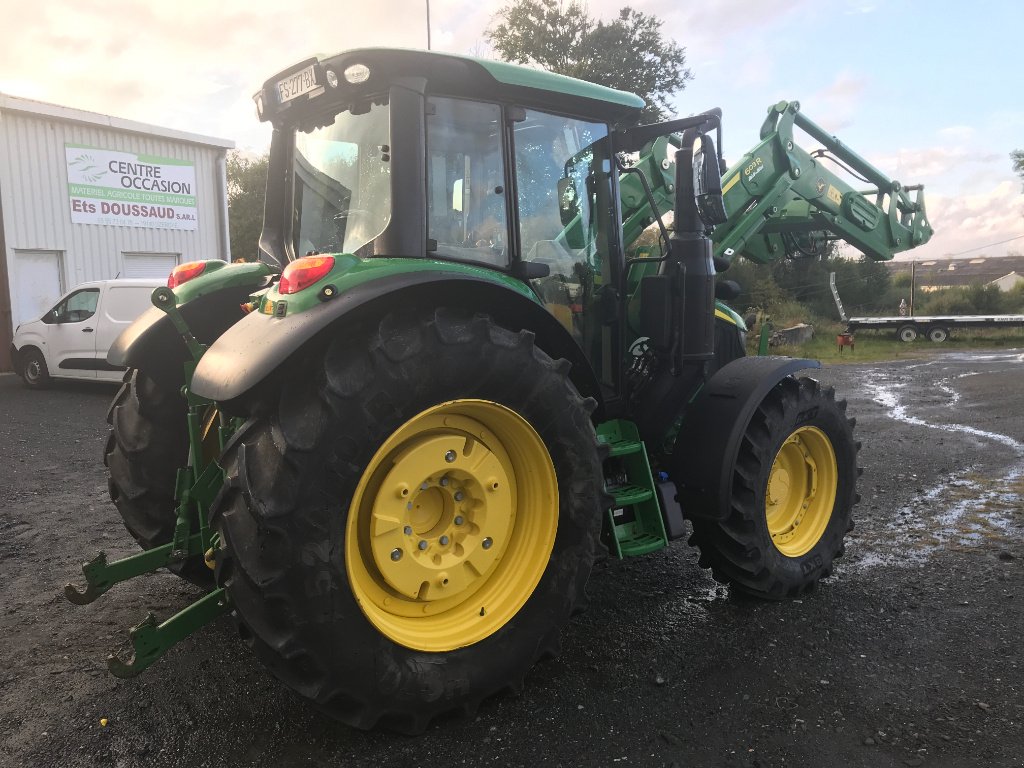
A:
781,200
779,196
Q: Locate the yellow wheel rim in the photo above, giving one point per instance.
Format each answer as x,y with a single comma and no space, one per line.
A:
452,525
801,491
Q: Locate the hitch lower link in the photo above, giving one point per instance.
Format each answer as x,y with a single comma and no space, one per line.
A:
196,486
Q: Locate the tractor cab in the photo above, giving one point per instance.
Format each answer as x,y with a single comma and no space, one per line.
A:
405,154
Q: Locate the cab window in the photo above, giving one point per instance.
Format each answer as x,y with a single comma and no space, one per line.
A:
79,306
466,208
563,172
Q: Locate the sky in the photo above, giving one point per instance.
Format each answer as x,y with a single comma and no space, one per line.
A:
929,91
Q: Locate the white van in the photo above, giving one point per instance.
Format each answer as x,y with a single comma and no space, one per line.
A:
71,340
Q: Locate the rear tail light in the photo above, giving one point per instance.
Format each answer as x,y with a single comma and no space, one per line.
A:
185,272
303,272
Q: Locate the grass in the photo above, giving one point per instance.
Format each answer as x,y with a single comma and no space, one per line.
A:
880,346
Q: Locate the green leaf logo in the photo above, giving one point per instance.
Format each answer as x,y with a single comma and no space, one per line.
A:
86,166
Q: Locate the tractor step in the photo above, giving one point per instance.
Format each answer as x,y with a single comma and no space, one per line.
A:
626,495
634,524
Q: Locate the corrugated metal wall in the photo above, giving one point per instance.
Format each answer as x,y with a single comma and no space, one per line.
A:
33,177
36,206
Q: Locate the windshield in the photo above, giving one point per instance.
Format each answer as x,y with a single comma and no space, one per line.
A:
343,183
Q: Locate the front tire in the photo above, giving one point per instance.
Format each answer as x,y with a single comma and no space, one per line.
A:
409,528
34,372
793,492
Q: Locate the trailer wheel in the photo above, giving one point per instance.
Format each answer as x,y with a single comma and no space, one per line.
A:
938,334
907,333
793,490
408,529
147,443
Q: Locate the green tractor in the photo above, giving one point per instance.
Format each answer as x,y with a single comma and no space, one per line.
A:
393,449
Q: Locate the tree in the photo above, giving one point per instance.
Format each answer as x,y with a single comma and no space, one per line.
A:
629,53
247,189
1018,162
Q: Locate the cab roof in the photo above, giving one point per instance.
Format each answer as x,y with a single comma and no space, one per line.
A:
470,77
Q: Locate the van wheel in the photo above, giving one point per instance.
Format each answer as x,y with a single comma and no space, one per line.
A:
34,370
148,442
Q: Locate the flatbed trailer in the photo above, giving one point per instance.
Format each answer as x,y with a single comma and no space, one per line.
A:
935,327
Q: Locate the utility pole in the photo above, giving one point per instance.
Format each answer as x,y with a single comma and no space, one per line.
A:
428,25
913,284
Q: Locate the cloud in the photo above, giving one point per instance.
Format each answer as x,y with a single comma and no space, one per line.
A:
957,132
962,223
838,102
940,162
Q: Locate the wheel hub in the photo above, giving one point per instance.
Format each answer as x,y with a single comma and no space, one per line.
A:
801,491
452,525
438,515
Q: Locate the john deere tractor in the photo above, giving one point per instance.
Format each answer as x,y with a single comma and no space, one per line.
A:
393,449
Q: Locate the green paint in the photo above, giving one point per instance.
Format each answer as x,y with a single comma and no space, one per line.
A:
150,641
219,274
733,315
350,271
527,77
634,525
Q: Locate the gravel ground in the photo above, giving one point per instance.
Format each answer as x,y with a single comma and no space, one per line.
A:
909,655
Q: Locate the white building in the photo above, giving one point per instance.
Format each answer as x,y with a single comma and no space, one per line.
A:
1008,281
85,196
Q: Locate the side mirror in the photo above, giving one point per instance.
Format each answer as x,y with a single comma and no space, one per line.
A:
568,202
707,183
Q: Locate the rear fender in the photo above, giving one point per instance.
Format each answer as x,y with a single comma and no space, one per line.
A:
210,304
249,353
709,439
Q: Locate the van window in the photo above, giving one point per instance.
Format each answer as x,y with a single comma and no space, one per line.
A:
124,303
79,306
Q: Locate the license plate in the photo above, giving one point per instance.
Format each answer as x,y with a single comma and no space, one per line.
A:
296,85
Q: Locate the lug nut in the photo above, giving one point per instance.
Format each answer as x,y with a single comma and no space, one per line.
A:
444,481
407,530
423,487
444,540
396,554
459,496
422,545
486,543
449,456
459,520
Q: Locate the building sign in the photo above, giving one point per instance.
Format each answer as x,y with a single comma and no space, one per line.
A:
122,189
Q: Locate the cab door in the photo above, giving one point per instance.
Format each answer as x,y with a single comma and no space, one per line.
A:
567,220
70,346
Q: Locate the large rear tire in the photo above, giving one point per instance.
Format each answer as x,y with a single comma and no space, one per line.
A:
793,492
408,529
147,443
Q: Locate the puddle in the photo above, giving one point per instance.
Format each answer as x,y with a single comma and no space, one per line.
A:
963,510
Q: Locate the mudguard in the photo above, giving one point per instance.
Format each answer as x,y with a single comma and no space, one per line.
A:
209,305
709,439
250,351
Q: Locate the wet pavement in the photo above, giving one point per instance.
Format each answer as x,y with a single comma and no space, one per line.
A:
909,655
